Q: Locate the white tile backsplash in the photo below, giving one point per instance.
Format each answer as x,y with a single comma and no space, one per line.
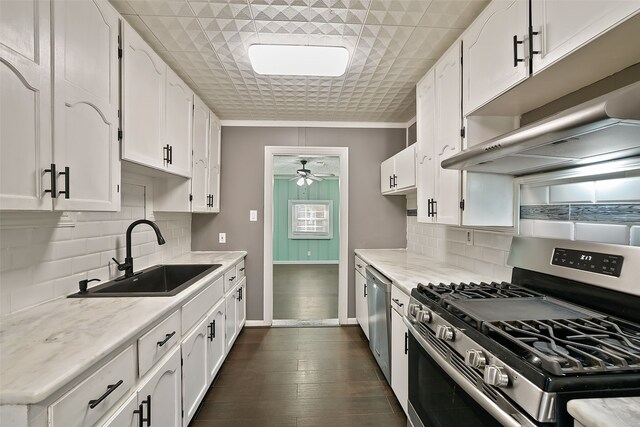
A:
634,239
604,233
534,195
43,262
577,192
618,190
553,229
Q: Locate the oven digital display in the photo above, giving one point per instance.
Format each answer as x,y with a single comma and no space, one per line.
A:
607,264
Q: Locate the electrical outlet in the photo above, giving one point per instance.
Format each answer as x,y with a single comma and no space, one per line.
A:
222,238
253,215
469,239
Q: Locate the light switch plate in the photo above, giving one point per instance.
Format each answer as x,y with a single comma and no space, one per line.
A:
253,215
222,238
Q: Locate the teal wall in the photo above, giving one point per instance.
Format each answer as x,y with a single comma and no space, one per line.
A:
285,249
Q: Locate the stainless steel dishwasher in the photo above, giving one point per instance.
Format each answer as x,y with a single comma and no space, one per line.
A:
379,305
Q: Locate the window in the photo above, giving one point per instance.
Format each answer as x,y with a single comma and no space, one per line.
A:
310,219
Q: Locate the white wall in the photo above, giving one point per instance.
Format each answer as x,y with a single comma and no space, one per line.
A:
43,262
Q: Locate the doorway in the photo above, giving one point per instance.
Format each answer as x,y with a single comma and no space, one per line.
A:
305,239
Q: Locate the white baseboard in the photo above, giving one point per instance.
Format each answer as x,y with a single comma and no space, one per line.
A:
302,262
351,321
256,323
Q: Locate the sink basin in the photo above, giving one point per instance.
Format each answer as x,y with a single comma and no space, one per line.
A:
157,281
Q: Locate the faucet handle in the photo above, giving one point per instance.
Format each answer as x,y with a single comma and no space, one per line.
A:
121,265
83,284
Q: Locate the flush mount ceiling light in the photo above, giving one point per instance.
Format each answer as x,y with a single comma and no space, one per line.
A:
290,60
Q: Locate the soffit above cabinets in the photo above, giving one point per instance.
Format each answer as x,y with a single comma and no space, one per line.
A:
392,43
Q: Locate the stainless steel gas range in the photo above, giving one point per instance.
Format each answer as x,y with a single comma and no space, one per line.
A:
566,327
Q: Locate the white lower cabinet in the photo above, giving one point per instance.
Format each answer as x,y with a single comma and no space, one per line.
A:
159,396
362,309
242,305
194,369
236,312
399,352
216,342
127,415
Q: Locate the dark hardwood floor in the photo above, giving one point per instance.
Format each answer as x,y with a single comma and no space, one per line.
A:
305,291
300,377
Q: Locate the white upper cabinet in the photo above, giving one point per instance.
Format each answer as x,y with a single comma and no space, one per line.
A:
144,75
199,188
213,181
86,103
25,105
178,124
387,170
563,25
425,129
398,173
495,57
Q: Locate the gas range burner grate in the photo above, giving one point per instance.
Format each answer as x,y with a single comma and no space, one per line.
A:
472,290
571,346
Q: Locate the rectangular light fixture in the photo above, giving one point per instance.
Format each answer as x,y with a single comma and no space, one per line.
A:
292,60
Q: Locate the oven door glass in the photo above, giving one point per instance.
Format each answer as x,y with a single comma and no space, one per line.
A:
436,398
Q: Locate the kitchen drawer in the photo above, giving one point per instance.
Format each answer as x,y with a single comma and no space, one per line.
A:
201,304
74,408
399,300
230,278
157,342
361,266
240,271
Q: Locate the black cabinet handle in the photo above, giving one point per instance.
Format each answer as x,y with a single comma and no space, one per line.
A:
165,153
395,180
66,182
232,278
170,154
241,294
139,412
52,190
434,208
147,401
429,207
406,343
397,301
516,42
358,265
241,269
531,51
95,402
365,290
390,181
166,338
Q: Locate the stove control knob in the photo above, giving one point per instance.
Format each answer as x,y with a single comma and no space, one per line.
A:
475,359
444,332
495,376
414,309
423,316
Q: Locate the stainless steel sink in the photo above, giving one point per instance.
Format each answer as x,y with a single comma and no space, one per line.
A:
156,281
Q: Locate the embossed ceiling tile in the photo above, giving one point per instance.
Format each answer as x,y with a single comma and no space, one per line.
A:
452,14
429,42
280,27
144,31
221,9
280,12
397,12
161,7
323,14
301,39
177,33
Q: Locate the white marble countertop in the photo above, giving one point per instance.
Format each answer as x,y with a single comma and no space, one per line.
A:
407,269
45,347
606,412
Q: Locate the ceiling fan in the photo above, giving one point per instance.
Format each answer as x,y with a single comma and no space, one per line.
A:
305,177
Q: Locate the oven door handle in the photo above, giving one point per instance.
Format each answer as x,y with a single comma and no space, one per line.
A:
501,416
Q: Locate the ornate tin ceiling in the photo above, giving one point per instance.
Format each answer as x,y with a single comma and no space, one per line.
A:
392,43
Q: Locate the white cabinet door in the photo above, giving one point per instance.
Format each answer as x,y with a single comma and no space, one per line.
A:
213,181
25,105
425,128
178,124
387,169
493,61
128,415
86,103
194,369
405,168
565,25
362,309
143,102
480,187
215,340
241,313
200,157
160,395
231,319
399,359
447,136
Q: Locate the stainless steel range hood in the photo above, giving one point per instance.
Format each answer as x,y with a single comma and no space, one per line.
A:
604,128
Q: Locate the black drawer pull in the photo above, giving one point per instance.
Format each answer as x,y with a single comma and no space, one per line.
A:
147,401
231,279
397,301
242,269
52,190
95,402
212,326
358,265
166,338
365,290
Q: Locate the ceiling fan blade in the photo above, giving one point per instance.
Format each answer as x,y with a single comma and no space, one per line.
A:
314,177
324,174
